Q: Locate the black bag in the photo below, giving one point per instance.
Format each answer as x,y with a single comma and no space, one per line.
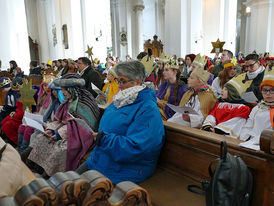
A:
230,184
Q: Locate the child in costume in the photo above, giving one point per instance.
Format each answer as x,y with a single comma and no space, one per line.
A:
261,116
110,88
170,91
10,99
200,97
230,116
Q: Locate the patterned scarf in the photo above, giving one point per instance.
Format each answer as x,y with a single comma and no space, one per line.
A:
83,104
127,96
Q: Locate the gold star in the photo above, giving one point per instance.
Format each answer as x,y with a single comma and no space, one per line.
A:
89,51
217,47
27,93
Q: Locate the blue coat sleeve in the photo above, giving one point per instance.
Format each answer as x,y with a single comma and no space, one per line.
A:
144,137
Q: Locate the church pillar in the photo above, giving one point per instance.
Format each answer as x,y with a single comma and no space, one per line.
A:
259,26
138,8
160,18
114,13
14,35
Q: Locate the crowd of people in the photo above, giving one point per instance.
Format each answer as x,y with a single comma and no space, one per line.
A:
125,142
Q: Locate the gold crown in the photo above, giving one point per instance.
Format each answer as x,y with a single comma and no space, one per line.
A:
149,64
5,82
240,84
200,60
48,77
201,74
164,58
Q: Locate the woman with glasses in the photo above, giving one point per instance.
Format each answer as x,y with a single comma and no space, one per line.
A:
131,130
170,91
262,115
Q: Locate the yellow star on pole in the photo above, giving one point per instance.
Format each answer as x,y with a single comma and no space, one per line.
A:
89,51
27,93
217,47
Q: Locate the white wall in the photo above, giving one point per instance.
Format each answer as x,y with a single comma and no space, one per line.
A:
14,36
149,19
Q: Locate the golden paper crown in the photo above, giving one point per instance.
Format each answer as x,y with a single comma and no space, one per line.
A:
201,74
200,60
164,58
240,84
268,77
5,82
48,77
149,64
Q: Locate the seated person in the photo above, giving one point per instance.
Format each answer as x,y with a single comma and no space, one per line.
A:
131,130
68,137
200,97
110,88
227,117
35,69
25,132
10,125
261,116
170,91
11,97
224,76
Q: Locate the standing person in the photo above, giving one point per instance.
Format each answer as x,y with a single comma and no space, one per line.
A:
224,76
226,55
131,130
170,91
89,75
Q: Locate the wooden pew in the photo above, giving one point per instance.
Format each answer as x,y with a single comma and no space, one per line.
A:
69,188
186,156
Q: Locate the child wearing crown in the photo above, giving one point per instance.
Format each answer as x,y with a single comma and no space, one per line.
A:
200,97
261,116
230,115
12,95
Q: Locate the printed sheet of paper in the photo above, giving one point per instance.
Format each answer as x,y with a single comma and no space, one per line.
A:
36,117
97,90
182,109
33,123
249,97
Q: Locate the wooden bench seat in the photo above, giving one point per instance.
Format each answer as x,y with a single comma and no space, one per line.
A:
166,188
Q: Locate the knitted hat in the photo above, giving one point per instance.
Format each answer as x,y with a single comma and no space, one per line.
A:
201,74
232,93
268,78
5,82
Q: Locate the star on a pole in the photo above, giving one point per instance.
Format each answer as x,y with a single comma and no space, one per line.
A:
217,47
27,93
89,52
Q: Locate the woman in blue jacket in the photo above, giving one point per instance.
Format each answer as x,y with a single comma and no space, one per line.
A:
131,130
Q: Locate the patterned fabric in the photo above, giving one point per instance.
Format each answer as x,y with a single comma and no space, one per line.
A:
44,97
127,96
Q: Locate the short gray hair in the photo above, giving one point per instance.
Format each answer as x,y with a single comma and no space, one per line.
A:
133,70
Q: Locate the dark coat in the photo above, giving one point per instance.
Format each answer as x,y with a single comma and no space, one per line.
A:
92,76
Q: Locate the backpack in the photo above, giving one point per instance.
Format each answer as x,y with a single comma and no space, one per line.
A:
231,181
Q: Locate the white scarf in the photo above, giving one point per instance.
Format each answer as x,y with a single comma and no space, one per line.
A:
254,74
127,96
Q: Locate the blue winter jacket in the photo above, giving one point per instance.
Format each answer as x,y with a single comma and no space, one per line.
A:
132,141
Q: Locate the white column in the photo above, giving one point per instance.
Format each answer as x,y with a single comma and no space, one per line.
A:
160,18
259,26
14,35
138,8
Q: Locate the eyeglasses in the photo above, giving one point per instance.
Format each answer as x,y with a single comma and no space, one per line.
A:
250,65
271,91
123,81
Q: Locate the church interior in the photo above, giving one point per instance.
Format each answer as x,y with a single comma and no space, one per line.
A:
137,102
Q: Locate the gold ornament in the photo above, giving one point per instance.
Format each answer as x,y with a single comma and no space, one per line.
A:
217,47
27,93
89,52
